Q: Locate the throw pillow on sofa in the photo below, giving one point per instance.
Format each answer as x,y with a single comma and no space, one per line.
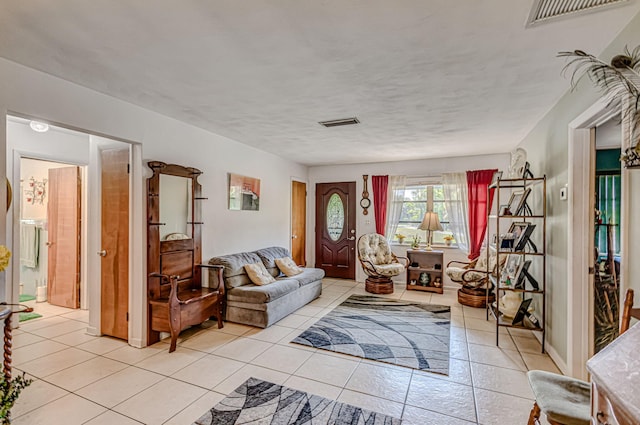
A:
288,266
258,274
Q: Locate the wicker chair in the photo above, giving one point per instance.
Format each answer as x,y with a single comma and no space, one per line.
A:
474,278
379,263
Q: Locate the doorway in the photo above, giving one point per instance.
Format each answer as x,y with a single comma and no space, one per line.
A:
49,199
299,222
94,195
607,223
336,229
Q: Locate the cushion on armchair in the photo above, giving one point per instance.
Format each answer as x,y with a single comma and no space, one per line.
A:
375,249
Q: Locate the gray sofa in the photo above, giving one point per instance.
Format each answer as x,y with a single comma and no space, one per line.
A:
264,305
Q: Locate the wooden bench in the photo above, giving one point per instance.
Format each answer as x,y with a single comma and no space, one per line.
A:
185,307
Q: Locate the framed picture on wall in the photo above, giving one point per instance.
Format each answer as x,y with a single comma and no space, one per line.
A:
244,193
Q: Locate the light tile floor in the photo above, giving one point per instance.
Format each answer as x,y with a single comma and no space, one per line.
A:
81,379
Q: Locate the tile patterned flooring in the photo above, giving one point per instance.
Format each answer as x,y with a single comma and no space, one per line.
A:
81,379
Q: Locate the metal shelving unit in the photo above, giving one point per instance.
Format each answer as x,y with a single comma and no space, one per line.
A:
499,222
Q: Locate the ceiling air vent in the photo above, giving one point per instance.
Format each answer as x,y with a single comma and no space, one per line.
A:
543,10
344,121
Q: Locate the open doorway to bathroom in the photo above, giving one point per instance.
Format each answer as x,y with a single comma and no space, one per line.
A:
69,225
49,201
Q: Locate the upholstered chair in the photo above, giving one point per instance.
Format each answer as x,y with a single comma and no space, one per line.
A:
379,263
565,400
474,277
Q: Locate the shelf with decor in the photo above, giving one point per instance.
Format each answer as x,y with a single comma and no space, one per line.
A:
425,270
517,230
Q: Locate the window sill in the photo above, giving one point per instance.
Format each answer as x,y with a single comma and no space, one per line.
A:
435,246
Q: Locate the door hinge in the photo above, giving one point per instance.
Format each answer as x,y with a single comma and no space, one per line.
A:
128,168
127,316
592,270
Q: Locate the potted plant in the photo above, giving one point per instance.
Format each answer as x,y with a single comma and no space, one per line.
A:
9,388
448,239
9,392
416,242
400,238
619,81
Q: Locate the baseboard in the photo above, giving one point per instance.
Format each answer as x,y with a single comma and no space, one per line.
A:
93,331
136,342
551,351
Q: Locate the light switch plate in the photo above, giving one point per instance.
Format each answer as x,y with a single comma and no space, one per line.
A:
563,193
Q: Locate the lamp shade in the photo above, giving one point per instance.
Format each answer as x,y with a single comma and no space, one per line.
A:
430,222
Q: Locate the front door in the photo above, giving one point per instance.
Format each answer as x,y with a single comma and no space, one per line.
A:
298,222
63,218
336,229
115,243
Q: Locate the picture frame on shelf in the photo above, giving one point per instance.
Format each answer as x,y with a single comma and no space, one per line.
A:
511,269
496,177
523,311
524,238
504,210
525,276
518,201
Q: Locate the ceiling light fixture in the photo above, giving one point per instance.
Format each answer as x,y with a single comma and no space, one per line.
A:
40,127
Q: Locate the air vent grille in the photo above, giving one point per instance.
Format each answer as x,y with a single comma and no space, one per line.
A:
343,121
544,10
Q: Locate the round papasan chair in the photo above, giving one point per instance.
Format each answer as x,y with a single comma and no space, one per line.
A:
474,278
379,263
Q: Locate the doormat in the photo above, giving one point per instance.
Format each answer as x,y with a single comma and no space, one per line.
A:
28,316
261,402
25,298
404,333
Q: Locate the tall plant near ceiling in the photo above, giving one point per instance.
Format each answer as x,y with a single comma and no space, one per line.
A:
619,81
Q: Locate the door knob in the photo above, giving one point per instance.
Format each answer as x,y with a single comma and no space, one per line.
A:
102,253
49,243
294,236
352,238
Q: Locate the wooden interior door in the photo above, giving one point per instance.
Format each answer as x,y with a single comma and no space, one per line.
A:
298,222
336,229
115,243
63,218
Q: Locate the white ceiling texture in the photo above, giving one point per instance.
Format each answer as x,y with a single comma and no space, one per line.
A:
426,79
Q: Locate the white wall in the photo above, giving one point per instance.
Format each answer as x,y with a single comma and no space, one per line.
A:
548,146
29,92
423,167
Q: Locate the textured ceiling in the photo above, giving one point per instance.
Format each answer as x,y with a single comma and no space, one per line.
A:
426,79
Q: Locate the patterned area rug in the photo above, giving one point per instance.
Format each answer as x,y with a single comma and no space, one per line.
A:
392,331
259,402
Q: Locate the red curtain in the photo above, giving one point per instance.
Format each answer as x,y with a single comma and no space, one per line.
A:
477,183
379,185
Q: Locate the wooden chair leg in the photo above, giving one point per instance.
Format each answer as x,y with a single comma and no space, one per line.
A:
534,416
219,314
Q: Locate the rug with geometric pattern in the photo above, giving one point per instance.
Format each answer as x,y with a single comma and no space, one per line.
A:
404,333
259,402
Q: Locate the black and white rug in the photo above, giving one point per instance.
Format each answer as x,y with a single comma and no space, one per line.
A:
258,402
405,333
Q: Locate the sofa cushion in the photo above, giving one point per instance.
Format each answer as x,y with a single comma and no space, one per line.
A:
263,294
234,274
309,275
287,266
269,255
258,273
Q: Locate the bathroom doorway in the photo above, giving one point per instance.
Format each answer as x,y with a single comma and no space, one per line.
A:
49,199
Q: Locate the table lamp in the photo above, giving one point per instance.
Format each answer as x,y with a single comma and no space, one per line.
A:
430,222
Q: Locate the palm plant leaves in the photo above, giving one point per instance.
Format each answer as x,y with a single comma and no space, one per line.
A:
619,81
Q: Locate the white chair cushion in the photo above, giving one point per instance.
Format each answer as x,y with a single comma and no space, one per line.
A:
375,249
389,270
